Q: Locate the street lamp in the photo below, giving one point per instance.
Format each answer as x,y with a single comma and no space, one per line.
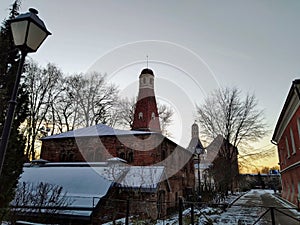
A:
199,151
29,32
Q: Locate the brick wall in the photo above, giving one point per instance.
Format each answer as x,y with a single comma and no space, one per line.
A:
141,150
289,154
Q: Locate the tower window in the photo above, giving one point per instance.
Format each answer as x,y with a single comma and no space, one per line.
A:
153,115
144,80
140,115
151,81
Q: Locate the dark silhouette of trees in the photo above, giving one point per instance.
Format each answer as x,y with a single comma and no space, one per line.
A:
83,100
60,103
93,97
43,89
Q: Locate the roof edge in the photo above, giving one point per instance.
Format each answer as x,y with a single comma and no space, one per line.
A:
288,99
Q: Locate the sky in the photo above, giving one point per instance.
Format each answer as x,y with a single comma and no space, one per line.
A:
193,47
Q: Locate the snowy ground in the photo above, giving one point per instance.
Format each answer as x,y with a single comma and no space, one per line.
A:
201,215
246,210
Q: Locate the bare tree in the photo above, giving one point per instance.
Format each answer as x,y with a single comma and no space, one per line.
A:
94,98
37,199
238,120
126,108
84,100
165,114
41,83
65,110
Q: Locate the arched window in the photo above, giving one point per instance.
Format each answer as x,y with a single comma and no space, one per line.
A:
140,115
130,157
292,141
287,147
70,156
298,126
122,155
62,156
163,154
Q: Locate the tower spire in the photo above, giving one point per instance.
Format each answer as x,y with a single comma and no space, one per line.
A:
146,113
147,60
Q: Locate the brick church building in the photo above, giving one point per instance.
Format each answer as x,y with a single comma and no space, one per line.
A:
144,145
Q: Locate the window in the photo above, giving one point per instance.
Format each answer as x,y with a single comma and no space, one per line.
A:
66,156
293,142
122,155
70,156
62,156
298,189
130,157
287,147
140,115
153,116
151,81
293,190
163,154
298,126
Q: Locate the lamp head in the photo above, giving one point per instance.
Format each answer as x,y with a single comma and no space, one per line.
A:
28,31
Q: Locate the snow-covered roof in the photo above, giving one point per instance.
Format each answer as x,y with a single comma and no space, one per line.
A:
116,160
85,184
96,130
195,142
144,178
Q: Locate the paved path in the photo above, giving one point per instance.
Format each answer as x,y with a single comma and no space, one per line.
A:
252,205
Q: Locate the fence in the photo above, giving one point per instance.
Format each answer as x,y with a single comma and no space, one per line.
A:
145,211
266,215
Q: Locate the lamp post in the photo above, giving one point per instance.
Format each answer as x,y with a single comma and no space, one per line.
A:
28,32
199,151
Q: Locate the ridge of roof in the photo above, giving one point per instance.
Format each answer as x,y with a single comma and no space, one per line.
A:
95,130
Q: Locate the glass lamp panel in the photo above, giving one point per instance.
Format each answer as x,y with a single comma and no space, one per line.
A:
19,32
36,36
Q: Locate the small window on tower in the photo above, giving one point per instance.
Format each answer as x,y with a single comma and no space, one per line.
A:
140,115
144,80
151,81
153,115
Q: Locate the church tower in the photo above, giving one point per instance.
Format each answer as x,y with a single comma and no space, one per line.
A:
195,131
146,113
195,141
